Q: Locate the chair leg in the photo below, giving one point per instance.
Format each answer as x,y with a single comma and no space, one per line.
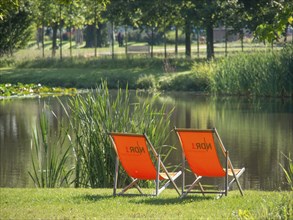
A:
191,187
237,181
201,188
116,176
168,183
133,183
158,175
183,173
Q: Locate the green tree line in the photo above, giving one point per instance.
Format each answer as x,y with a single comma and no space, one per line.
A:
267,19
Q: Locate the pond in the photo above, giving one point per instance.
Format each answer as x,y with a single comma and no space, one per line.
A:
257,132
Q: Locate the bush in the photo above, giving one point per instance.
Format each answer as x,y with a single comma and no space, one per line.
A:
146,82
199,79
6,62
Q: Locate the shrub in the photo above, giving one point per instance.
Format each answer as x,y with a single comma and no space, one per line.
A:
187,81
6,62
146,82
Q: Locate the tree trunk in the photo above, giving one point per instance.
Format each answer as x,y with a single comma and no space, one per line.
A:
152,44
176,40
95,30
113,41
285,32
241,39
43,37
197,33
210,41
126,40
60,30
70,33
54,40
226,41
187,38
89,39
10,38
165,41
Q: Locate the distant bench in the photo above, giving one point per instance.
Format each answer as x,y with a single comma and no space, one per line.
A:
141,49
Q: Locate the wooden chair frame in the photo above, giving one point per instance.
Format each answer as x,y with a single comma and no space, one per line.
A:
229,169
170,177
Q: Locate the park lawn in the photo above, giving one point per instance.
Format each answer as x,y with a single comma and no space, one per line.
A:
70,203
75,77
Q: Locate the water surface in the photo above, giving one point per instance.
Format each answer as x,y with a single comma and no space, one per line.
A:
255,131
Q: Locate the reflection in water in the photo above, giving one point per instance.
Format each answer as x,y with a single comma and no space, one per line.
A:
254,131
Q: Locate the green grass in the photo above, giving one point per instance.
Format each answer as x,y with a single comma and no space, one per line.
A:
68,203
87,72
249,74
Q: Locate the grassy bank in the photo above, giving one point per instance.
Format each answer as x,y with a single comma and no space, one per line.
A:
267,73
98,203
87,72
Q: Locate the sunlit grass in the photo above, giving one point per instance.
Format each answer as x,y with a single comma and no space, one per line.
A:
32,51
98,203
261,73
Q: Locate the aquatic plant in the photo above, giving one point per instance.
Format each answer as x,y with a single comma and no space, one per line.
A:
96,113
288,171
256,74
32,89
50,159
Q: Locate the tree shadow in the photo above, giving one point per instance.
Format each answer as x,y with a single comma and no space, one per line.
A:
93,198
172,201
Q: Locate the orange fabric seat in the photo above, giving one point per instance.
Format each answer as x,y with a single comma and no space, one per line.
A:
133,153
200,151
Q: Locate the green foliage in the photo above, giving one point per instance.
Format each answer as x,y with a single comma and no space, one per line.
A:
197,80
146,82
288,171
15,30
278,15
257,74
95,114
50,160
7,62
260,73
20,89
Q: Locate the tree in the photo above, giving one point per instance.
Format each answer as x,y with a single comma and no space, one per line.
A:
15,26
268,19
281,14
94,19
189,16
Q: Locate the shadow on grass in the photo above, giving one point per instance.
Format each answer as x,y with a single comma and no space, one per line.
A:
172,201
145,199
93,198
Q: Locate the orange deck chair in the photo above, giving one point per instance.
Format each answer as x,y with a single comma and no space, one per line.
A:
133,153
199,149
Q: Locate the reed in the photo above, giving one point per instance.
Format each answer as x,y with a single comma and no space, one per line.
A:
288,171
257,74
95,114
50,159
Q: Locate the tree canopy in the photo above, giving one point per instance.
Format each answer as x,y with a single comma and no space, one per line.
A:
267,19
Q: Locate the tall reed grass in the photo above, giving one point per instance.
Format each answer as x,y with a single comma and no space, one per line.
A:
99,112
50,159
258,74
288,170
